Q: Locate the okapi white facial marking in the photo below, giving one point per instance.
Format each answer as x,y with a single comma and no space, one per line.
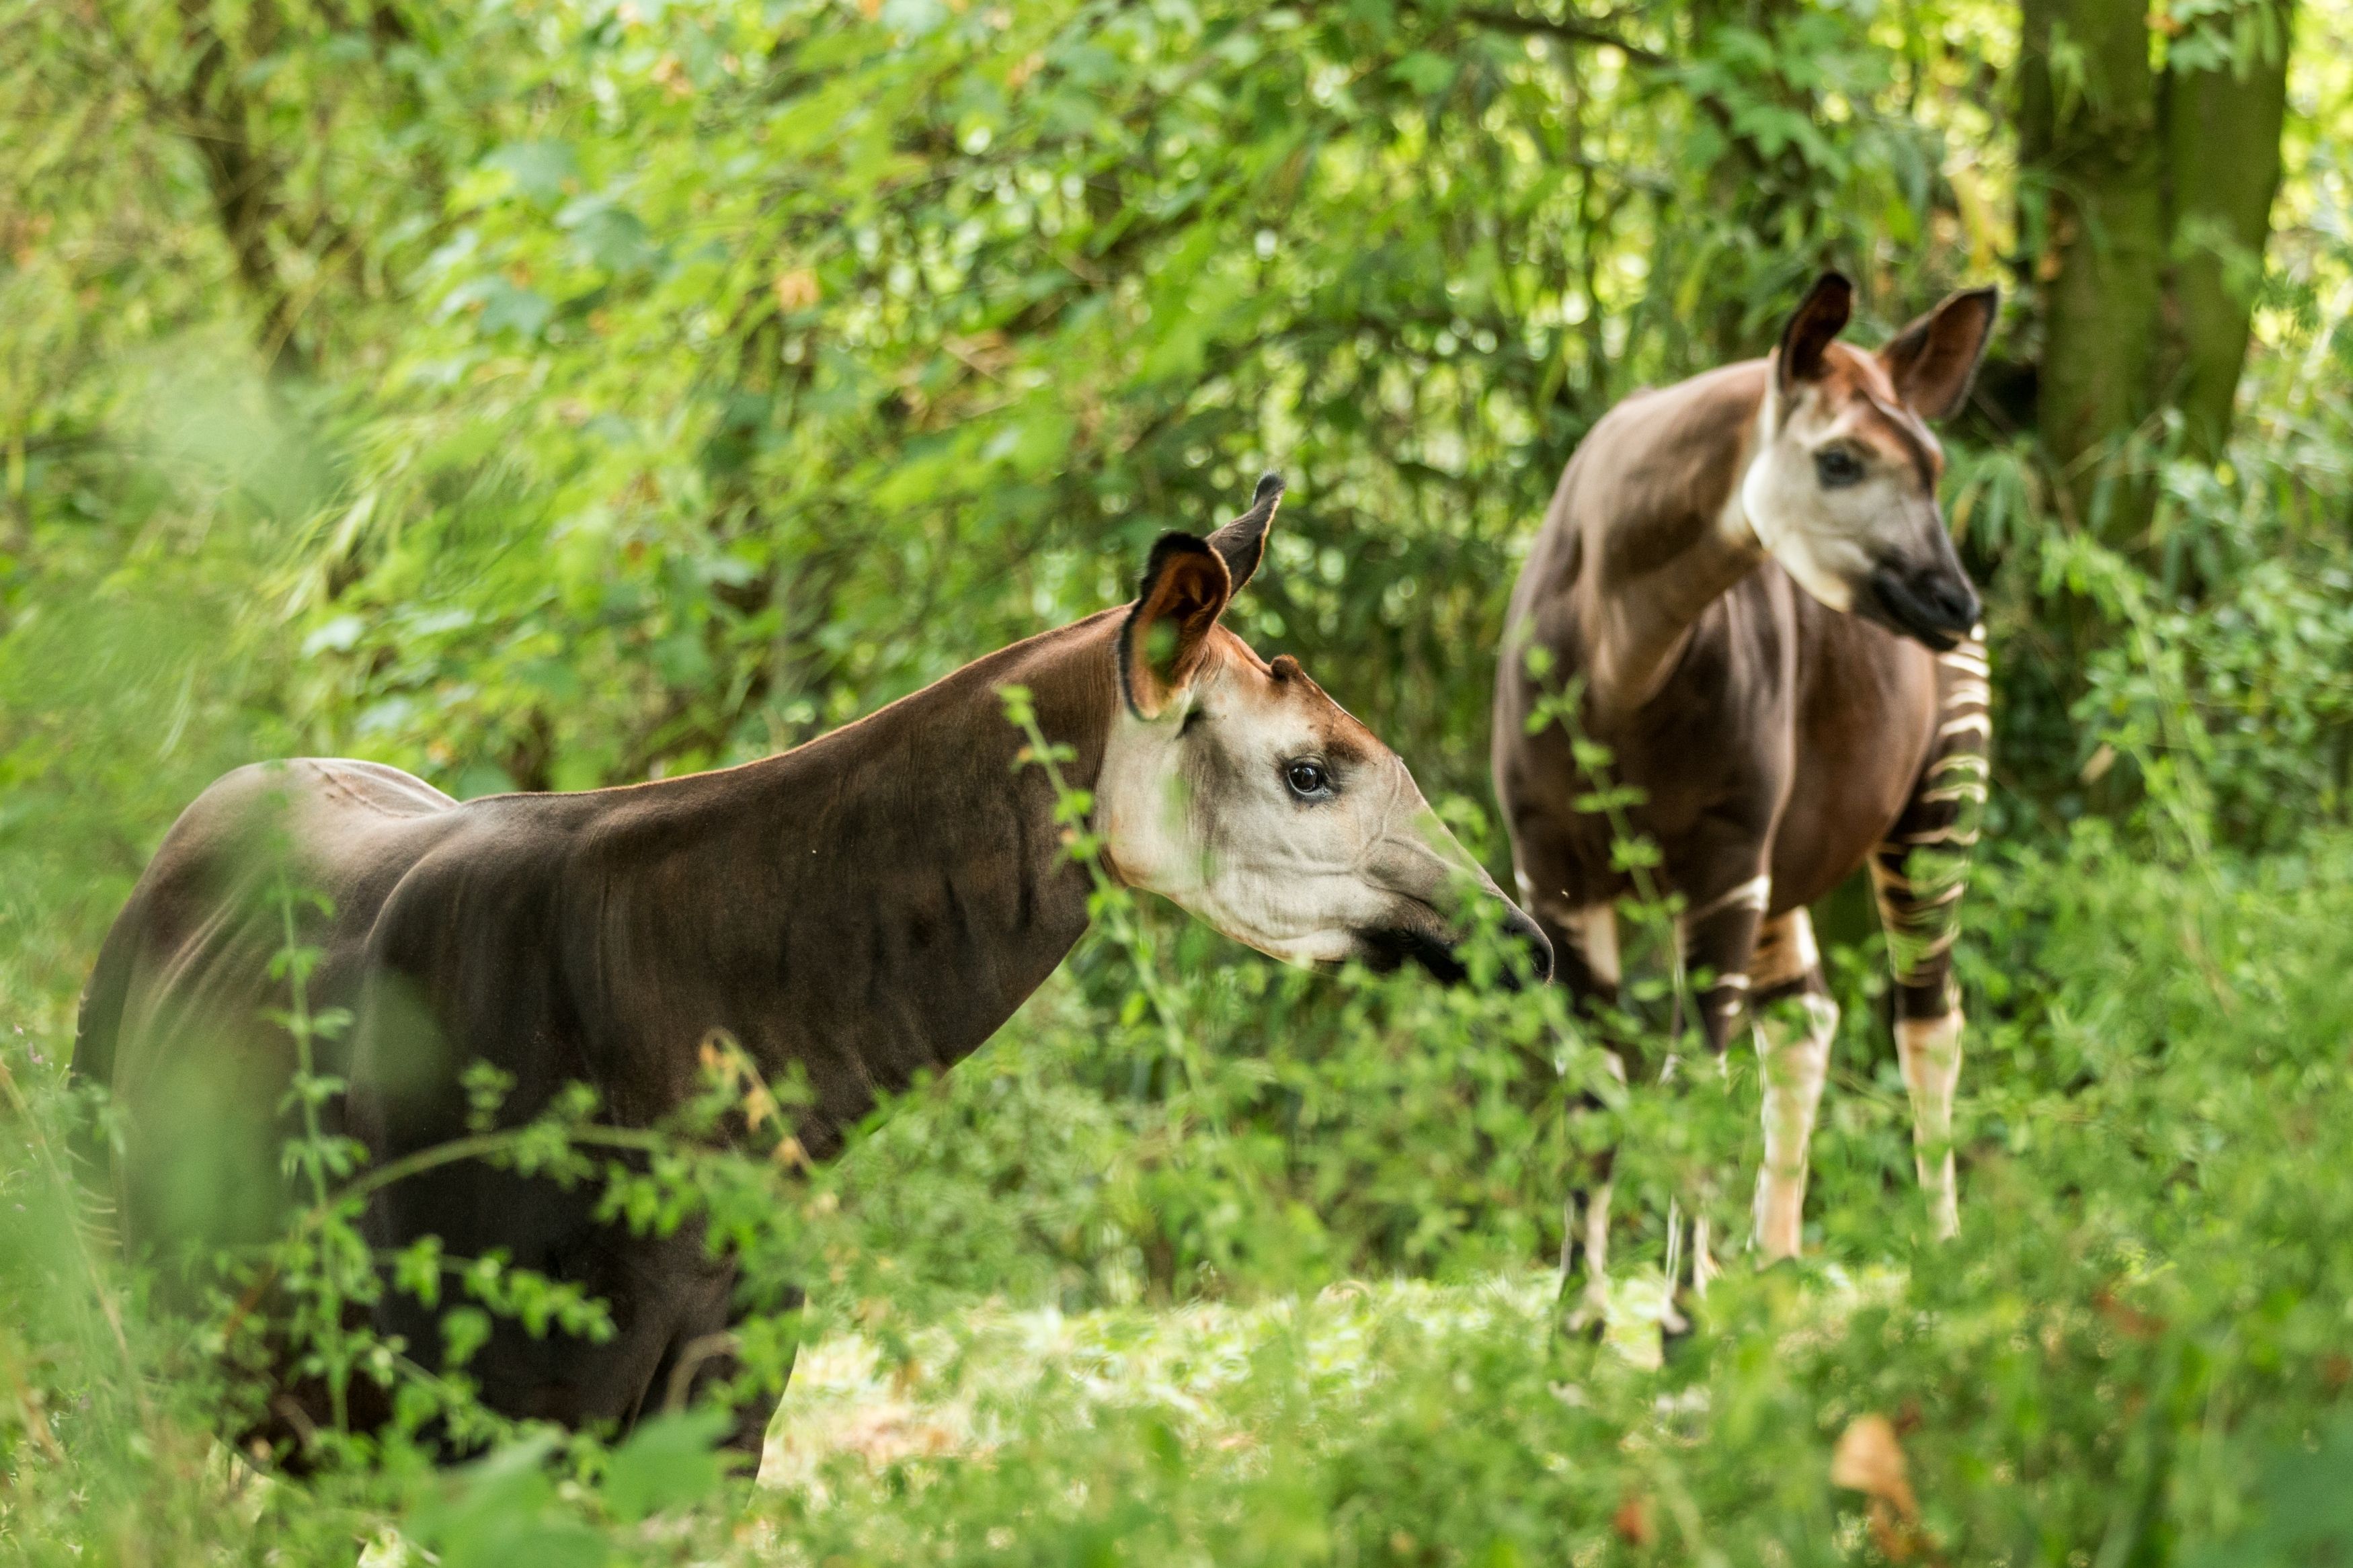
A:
1721,568
1840,488
1235,788
857,911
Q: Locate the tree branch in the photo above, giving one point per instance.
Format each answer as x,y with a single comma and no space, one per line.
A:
1570,29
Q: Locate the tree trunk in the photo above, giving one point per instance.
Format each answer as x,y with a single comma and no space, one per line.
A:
2153,192
2089,128
2222,145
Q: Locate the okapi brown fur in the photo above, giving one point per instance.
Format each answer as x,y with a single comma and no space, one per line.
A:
868,906
1749,576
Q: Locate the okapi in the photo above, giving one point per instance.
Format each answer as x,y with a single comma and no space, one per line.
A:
1749,575
869,906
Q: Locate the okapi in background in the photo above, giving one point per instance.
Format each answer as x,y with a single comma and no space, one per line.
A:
1749,574
867,906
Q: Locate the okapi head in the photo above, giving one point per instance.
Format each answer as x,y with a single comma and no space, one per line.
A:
1841,484
1236,788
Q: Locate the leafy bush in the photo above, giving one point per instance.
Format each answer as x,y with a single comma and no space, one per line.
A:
2140,1332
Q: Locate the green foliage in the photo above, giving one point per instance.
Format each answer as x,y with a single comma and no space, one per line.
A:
558,393
2134,1346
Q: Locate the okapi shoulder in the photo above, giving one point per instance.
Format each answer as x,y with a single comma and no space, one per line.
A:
471,953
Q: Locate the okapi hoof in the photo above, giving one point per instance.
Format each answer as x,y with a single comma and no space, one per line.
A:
1587,1321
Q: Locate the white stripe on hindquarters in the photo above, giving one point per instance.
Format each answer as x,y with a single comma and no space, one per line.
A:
1967,690
1961,832
1968,724
1920,925
1929,1050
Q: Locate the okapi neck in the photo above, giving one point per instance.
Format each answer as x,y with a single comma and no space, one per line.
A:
1665,564
867,906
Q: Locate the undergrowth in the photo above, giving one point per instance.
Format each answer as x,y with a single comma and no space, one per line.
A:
2138,1348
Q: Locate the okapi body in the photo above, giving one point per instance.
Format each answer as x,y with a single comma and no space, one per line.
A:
868,906
1747,577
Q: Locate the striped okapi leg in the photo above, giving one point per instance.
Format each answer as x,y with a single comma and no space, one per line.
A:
1719,934
1919,871
1585,945
1795,1021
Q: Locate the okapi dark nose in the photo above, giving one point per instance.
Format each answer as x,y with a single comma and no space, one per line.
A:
1952,599
1935,603
1532,936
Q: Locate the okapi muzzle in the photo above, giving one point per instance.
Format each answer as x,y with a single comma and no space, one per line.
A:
1436,897
1931,600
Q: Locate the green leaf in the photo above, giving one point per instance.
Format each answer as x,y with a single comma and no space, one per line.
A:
1425,72
668,1462
538,169
502,1510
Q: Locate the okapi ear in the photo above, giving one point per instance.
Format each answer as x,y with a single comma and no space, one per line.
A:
1821,316
1933,360
1185,586
1242,542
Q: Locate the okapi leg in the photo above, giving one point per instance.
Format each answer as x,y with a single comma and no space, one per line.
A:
1919,872
1584,940
1795,1021
1585,1222
1929,1051
711,1363
1719,936
1584,960
1589,1228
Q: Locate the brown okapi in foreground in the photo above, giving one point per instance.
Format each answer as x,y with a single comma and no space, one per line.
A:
1749,574
867,906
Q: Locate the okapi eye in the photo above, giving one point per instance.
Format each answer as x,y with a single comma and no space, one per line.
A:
1307,779
1836,466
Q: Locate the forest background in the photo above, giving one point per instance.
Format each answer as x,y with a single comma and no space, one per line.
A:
544,394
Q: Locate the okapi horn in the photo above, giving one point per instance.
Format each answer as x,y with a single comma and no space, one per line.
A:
1244,541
